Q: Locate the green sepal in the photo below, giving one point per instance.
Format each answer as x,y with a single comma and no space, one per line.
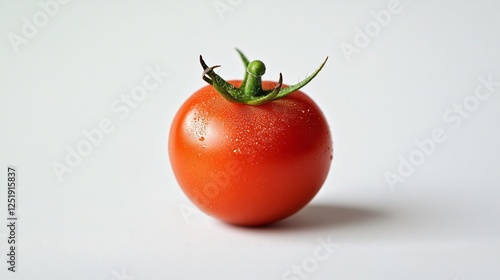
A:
250,91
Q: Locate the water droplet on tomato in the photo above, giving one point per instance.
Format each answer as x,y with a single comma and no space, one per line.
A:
201,138
204,146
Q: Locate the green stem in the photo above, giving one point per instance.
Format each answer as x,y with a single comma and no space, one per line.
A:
250,91
253,85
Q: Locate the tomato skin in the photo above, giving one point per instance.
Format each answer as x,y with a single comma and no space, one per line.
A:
250,165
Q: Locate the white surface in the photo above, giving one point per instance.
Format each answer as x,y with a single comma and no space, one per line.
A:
118,214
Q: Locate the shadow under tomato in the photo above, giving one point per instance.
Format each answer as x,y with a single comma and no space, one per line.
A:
319,216
322,216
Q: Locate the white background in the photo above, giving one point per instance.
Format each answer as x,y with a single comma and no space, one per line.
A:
120,213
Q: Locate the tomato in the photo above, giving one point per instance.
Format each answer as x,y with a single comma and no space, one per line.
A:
247,164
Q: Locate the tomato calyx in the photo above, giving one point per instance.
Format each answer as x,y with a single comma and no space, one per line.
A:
250,91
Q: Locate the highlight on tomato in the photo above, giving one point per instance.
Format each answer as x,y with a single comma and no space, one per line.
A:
250,152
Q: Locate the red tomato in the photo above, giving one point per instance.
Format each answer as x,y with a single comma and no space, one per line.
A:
250,165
